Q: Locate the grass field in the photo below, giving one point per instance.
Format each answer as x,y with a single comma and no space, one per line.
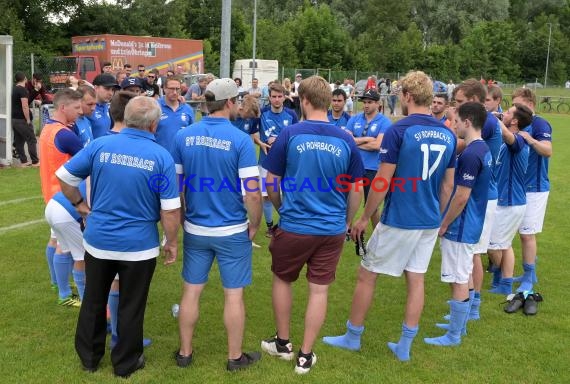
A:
36,335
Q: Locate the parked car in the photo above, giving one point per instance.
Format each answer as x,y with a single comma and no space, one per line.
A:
359,87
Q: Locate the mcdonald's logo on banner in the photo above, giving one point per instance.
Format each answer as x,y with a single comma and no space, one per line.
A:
118,62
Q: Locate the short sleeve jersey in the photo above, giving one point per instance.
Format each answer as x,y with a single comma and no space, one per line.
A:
537,172
213,156
360,128
311,157
511,173
271,124
130,183
249,126
422,149
473,171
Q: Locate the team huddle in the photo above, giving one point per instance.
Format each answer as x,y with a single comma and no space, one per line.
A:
475,181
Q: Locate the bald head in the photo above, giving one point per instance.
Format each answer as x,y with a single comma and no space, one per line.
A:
143,113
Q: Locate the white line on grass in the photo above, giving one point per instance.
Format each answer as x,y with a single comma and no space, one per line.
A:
15,201
20,225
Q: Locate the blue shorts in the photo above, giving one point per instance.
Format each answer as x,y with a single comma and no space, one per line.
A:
232,252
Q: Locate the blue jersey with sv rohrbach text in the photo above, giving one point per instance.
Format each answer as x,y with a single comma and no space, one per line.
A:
360,127
127,193
310,156
473,171
537,171
422,149
214,156
511,173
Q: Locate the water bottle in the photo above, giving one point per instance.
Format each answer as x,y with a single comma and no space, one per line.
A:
175,310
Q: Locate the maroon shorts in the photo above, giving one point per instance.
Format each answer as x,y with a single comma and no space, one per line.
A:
290,252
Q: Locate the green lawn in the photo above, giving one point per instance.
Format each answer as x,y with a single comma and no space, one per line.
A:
36,336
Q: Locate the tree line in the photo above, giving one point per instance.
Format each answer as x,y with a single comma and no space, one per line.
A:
506,40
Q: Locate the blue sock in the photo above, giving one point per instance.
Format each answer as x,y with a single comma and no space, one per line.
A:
402,348
350,340
475,305
528,278
61,265
505,286
268,211
79,278
496,276
458,317
114,310
50,251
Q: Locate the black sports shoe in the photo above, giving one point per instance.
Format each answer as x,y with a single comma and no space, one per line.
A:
531,304
304,365
181,360
271,346
244,361
516,303
139,365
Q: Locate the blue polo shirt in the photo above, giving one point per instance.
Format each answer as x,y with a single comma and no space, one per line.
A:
213,156
422,149
171,122
537,172
132,179
341,122
511,173
82,128
100,120
473,171
310,157
360,128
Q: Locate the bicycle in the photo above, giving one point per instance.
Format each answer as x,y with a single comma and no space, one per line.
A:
563,106
545,104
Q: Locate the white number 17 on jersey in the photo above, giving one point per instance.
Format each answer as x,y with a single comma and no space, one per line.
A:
427,171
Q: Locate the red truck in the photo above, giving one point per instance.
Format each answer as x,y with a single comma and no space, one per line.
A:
89,52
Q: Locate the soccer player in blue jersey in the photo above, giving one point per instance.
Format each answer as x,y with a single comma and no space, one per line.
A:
539,138
473,90
336,114
417,160
175,115
272,121
511,170
82,126
215,157
463,222
368,128
314,214
121,235
105,85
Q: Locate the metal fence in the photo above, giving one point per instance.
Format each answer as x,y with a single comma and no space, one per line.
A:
333,75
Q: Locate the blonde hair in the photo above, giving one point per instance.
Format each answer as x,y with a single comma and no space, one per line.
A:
316,91
526,94
287,84
419,85
250,106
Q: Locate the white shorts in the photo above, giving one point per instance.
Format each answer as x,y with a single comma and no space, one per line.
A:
507,222
66,229
534,213
262,180
391,251
349,105
481,246
456,261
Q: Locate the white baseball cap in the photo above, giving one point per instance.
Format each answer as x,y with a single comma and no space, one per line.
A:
223,89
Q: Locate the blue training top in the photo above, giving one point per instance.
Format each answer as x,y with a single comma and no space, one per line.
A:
537,171
492,135
511,173
271,124
100,120
341,122
171,122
